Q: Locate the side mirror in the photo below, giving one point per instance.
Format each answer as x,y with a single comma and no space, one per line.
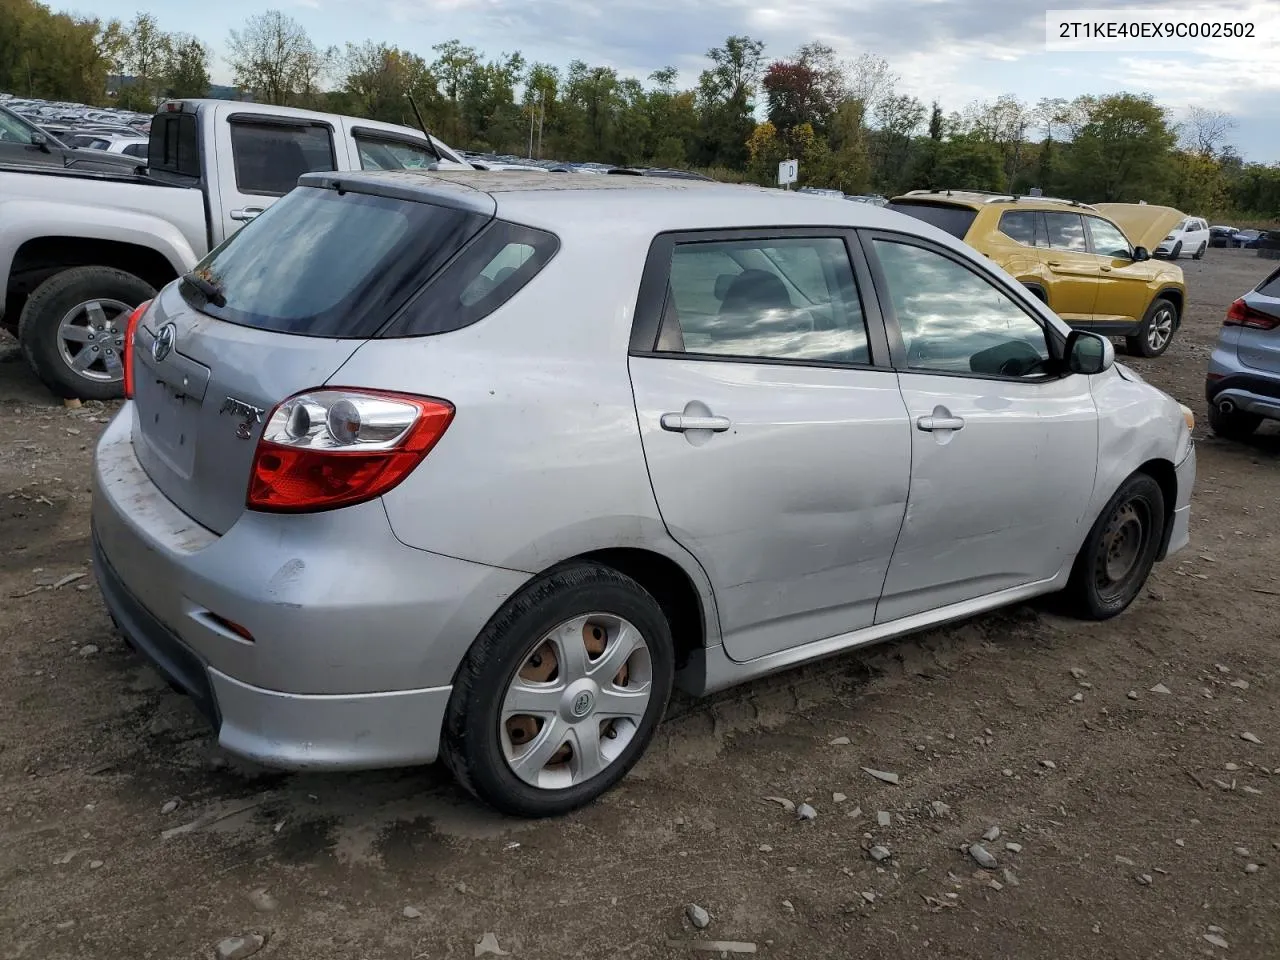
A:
1140,254
1088,353
41,141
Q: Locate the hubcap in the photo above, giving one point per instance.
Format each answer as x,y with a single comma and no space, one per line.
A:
91,339
1161,328
1122,544
576,701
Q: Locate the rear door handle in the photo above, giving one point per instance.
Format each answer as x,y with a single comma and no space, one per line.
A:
246,214
1053,263
679,422
940,423
1105,269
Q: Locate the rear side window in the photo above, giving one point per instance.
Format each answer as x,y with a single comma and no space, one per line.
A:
269,157
321,264
1024,227
1270,287
174,145
954,220
1066,231
792,299
136,149
493,269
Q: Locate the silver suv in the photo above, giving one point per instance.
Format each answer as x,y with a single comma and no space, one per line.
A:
480,465
1243,382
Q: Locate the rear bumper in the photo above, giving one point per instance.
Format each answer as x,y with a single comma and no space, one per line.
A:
355,637
1250,393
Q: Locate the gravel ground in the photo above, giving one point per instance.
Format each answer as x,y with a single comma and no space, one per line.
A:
1135,819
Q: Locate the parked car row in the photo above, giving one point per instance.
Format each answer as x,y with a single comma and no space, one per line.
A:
1247,238
480,466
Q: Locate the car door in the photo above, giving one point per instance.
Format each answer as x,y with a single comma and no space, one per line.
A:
17,144
775,434
1124,284
268,154
1074,270
1003,452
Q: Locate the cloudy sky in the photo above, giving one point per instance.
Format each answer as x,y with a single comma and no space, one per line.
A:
951,50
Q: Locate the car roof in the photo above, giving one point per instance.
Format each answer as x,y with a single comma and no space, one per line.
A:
976,199
652,205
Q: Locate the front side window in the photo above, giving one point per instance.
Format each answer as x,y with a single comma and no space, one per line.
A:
269,158
1108,240
376,154
955,321
779,299
1066,231
13,130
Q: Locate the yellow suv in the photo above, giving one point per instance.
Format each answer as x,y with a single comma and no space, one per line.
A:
1071,256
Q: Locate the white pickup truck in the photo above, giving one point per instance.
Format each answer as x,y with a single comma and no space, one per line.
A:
80,249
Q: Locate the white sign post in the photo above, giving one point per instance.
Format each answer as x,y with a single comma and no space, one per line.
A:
788,172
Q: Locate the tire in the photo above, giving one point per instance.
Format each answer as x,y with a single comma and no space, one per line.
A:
1235,425
1176,252
62,305
1093,593
1199,254
477,741
1156,331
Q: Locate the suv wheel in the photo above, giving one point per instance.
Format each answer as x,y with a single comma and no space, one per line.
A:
1199,253
72,330
1176,252
560,694
1156,332
1234,425
1119,552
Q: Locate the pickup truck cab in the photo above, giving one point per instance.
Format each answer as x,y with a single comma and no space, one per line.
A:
79,249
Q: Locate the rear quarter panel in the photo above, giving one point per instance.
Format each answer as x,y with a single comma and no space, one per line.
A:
543,460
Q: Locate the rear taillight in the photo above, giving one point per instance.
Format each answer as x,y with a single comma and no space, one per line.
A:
130,328
335,447
1240,314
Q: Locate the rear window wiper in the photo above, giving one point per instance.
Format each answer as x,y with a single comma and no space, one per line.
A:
210,291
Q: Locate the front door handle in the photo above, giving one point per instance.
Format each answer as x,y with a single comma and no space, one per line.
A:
679,422
246,214
940,423
1105,269
1053,263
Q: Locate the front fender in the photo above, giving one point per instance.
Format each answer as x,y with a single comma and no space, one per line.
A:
1137,423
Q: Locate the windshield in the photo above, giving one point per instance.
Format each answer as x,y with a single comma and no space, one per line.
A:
954,220
319,263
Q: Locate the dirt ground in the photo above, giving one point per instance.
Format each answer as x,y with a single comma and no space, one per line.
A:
1134,814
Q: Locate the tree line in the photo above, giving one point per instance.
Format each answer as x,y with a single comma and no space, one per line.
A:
849,123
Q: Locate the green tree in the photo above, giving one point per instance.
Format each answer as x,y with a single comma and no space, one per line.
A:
274,56
1120,150
186,69
726,101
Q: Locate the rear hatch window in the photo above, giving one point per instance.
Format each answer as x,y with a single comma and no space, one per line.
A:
321,263
954,220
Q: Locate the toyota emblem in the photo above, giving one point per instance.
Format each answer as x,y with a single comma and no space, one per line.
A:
162,345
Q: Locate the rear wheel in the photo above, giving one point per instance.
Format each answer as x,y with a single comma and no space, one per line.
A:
1199,253
72,330
1119,552
1234,425
561,693
1156,331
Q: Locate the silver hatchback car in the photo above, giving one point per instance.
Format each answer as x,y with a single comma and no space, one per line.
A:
480,465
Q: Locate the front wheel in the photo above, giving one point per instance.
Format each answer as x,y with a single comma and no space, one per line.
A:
560,694
72,330
1119,552
1177,251
1156,332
